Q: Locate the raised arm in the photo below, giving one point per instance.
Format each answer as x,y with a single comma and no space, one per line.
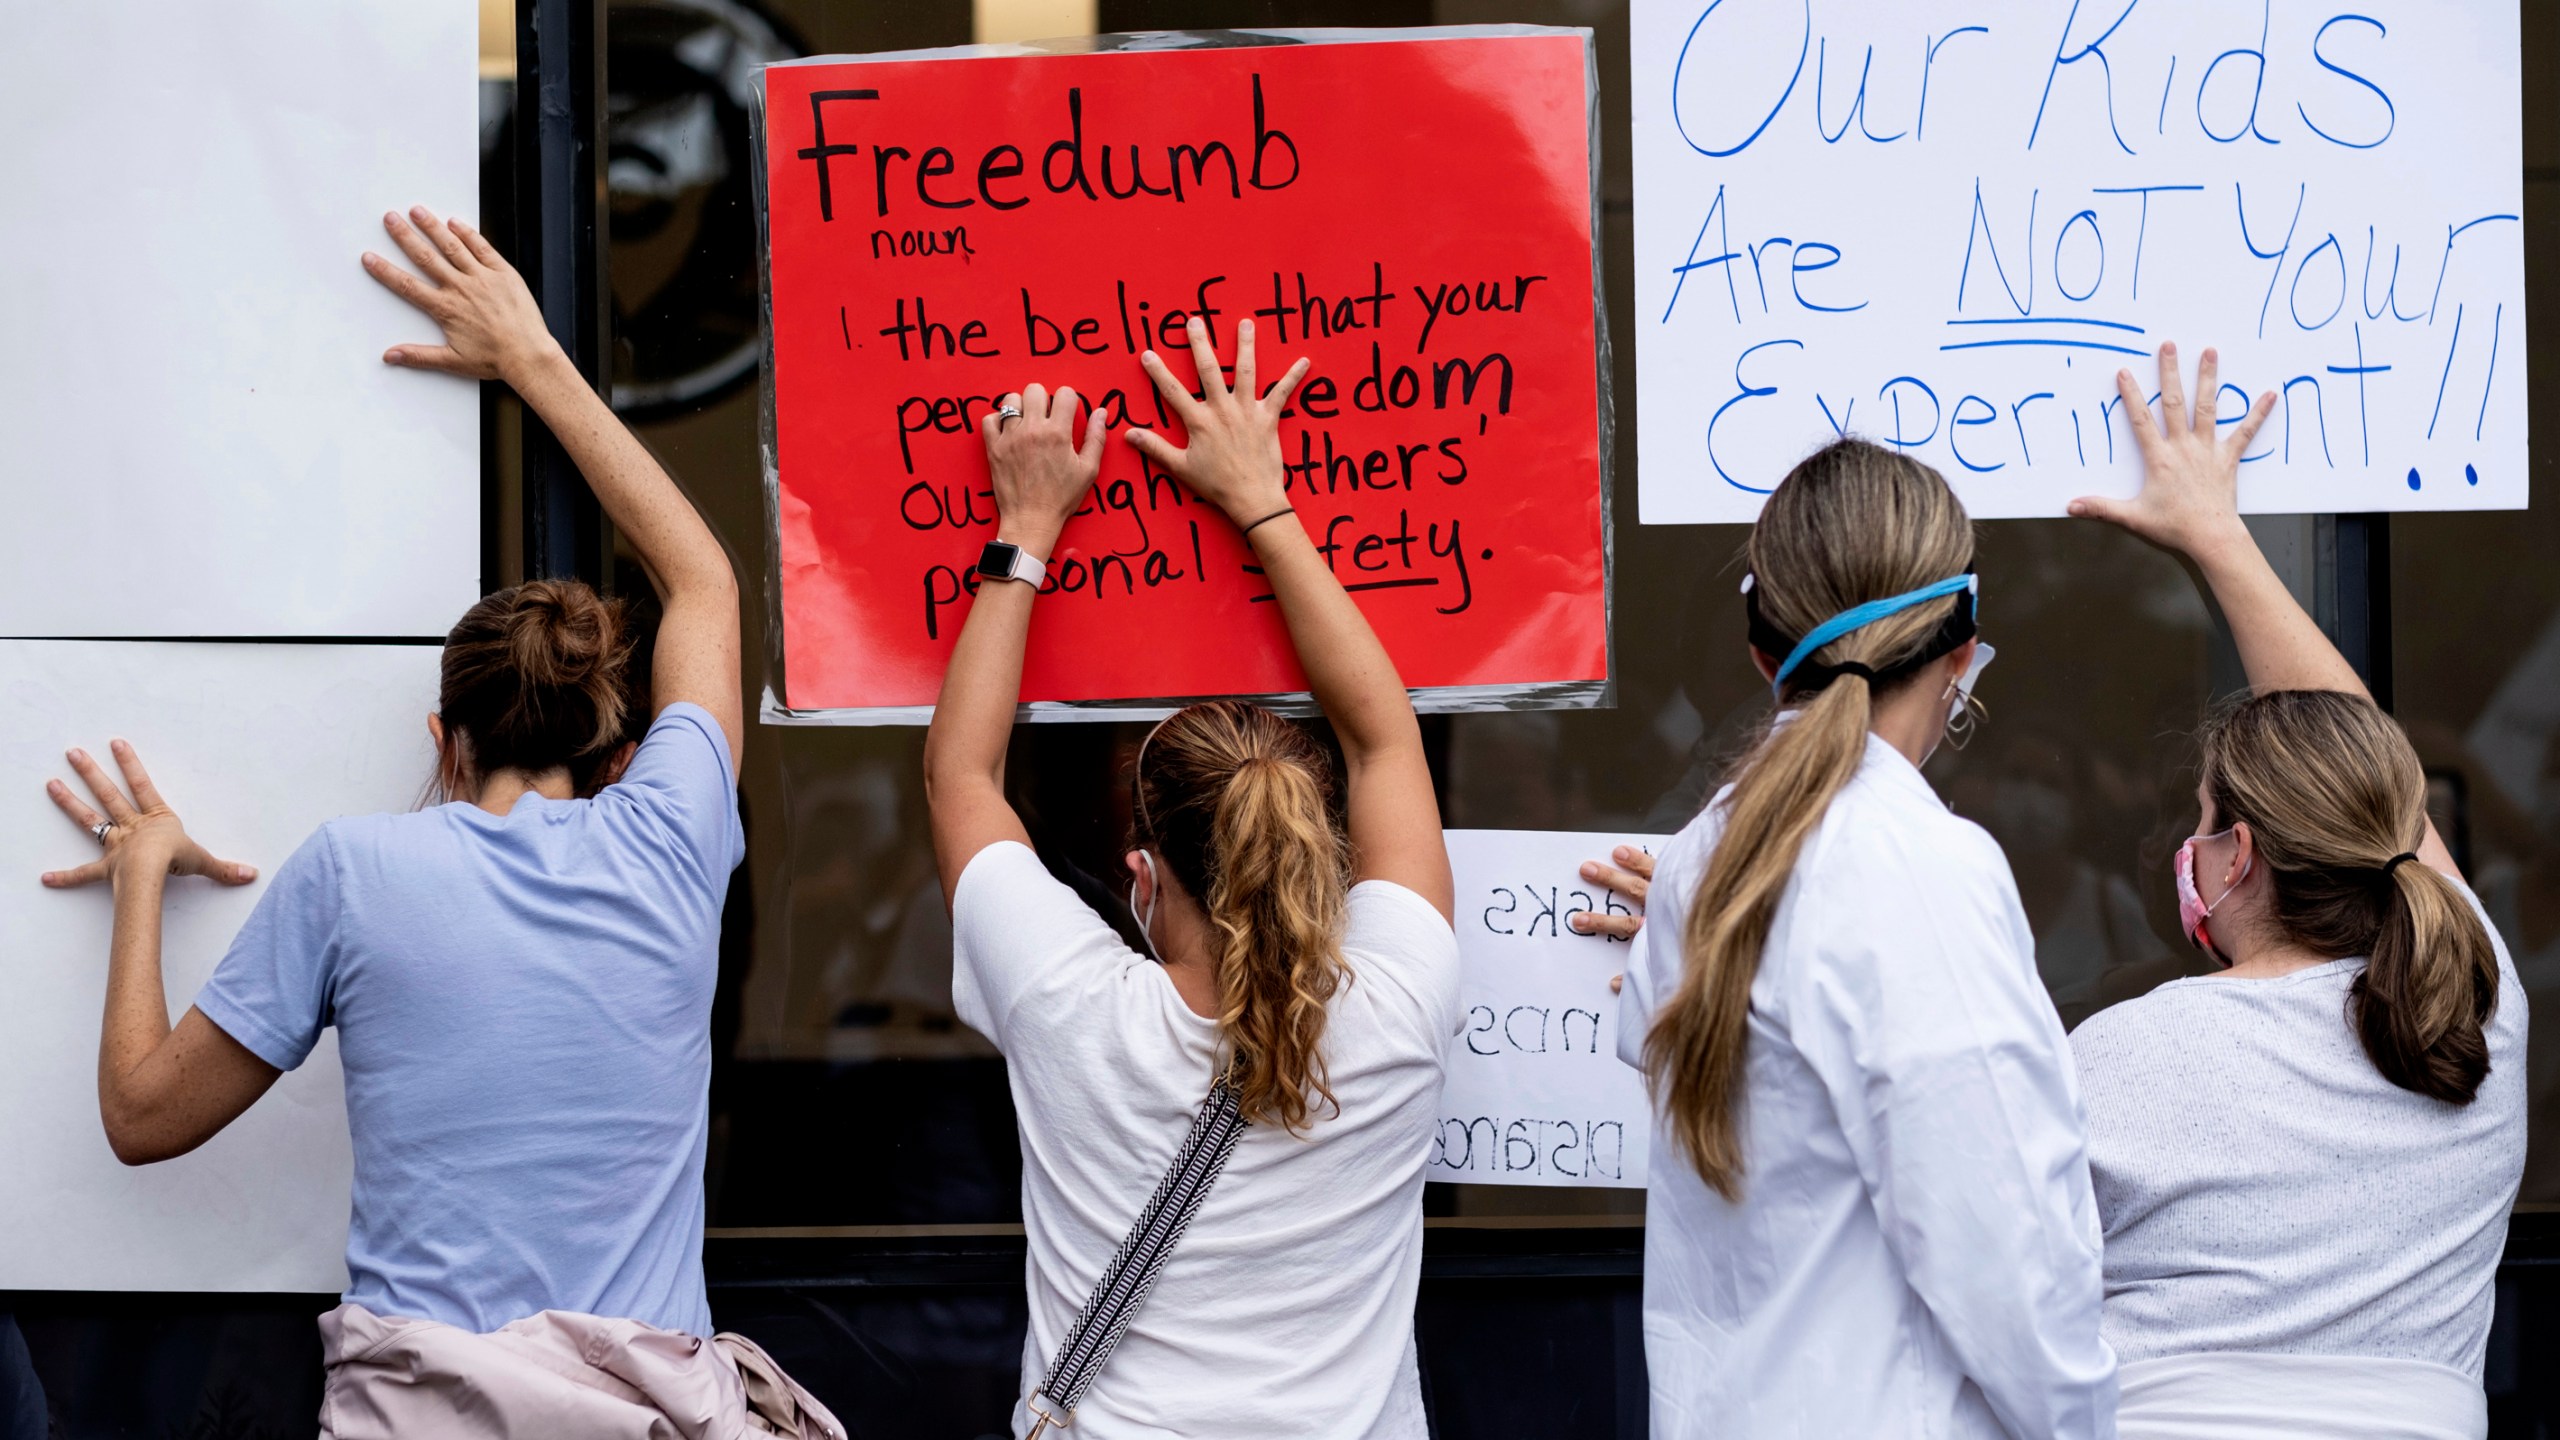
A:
2190,503
162,1091
493,331
1234,462
1040,476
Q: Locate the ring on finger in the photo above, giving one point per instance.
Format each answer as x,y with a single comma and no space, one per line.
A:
100,830
1007,415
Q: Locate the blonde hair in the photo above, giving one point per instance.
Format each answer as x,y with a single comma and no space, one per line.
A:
1239,803
1855,522
2336,801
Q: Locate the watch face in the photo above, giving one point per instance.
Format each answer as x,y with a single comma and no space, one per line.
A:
997,559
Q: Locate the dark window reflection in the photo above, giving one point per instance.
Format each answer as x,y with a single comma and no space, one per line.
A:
847,1094
2477,671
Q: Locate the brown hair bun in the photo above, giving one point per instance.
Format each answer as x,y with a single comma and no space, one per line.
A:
535,678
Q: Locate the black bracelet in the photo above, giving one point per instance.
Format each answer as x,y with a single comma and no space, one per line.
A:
1267,519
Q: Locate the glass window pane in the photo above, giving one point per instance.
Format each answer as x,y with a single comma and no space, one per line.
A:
2476,676
848,1095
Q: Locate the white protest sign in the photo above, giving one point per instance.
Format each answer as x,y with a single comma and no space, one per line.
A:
255,745
1947,224
1536,1094
202,437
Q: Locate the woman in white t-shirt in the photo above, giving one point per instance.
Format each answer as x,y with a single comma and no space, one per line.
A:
2305,1162
1317,970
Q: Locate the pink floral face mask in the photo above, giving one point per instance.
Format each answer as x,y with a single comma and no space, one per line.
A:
2193,910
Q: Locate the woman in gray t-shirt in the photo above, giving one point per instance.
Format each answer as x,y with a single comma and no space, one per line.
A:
2304,1163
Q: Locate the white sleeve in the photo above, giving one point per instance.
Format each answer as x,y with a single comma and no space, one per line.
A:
1398,939
1677,871
1016,933
1953,1082
1637,995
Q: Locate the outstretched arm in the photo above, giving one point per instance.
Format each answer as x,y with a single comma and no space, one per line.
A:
1234,462
161,1091
493,331
1040,476
2189,503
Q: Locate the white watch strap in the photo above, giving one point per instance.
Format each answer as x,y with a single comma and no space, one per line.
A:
1028,568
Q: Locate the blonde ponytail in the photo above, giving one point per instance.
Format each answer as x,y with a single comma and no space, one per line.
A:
2335,801
1239,803
1852,524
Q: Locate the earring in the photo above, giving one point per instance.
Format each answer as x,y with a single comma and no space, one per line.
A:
1963,717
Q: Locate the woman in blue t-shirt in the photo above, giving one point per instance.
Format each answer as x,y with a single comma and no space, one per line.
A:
521,977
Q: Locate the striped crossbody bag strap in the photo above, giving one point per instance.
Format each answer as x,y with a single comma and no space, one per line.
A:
1132,1272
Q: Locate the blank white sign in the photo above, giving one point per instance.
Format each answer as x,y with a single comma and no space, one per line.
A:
202,436
255,746
1536,1094
1947,224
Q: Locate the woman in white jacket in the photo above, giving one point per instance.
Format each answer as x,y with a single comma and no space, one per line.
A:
1870,1210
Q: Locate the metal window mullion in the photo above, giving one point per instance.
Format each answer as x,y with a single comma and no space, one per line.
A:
2355,595
560,248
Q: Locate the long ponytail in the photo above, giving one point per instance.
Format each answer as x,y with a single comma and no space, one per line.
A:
2429,988
2335,800
1853,523
1239,803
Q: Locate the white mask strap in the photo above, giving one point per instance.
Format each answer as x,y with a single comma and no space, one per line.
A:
1155,894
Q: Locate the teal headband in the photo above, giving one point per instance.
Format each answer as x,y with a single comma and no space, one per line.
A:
1863,615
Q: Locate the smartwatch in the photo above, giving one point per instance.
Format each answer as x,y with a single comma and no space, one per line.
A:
1004,560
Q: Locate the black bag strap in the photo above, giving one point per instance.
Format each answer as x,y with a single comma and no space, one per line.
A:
1132,1273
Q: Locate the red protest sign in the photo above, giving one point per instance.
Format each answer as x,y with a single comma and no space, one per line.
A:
1414,215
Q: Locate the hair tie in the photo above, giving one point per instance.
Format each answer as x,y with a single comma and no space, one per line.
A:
2395,862
1267,519
1852,667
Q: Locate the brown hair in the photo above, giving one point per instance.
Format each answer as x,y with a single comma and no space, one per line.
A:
1854,522
2333,795
534,677
1239,803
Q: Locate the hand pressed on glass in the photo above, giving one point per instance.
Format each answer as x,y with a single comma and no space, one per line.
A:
1233,460
492,326
1040,473
1630,879
2190,474
141,831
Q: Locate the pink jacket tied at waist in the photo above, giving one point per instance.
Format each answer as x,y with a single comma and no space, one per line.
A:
556,1374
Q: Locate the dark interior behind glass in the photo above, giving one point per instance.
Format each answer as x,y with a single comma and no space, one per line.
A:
848,1095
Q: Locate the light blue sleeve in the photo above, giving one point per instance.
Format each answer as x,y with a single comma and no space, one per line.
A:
681,779
272,992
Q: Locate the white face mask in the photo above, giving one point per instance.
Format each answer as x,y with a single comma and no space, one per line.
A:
1155,892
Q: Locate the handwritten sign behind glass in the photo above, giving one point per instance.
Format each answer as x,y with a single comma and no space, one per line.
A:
1946,224
1415,215
1536,1093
